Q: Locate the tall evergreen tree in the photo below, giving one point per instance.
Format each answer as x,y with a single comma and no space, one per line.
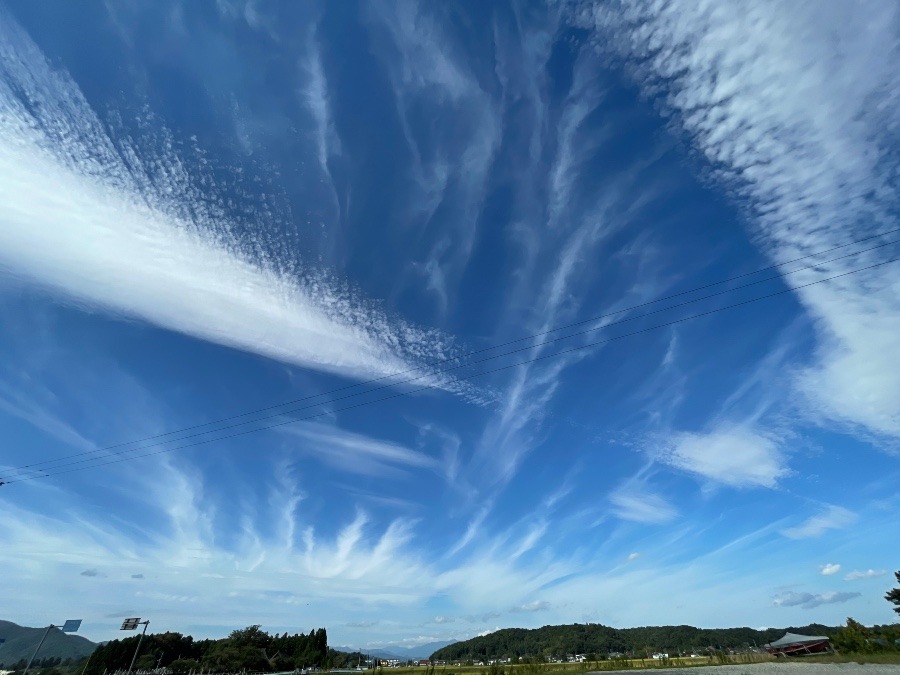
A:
893,595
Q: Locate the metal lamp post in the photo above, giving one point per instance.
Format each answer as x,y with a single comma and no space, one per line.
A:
131,624
70,626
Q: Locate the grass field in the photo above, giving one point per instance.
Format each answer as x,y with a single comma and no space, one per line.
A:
887,658
574,668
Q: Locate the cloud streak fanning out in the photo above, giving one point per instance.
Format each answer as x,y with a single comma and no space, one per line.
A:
115,226
796,118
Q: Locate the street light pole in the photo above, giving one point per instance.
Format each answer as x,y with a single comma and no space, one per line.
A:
70,626
40,644
131,624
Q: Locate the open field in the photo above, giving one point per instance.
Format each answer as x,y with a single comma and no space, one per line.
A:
741,664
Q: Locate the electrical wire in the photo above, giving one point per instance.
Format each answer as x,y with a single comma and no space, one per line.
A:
394,382
244,432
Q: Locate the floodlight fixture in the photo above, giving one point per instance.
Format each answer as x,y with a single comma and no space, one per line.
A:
69,626
131,624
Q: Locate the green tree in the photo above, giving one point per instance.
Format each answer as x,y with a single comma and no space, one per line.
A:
180,666
852,638
893,595
251,636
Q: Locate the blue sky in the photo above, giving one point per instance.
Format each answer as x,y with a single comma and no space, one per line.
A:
212,208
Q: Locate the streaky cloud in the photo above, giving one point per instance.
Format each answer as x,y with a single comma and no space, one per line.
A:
112,225
796,119
832,518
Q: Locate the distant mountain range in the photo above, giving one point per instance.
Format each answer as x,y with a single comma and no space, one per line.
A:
400,652
20,642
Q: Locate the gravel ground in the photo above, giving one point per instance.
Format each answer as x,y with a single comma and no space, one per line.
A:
776,668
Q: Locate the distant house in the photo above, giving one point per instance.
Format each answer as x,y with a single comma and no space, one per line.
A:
423,662
793,644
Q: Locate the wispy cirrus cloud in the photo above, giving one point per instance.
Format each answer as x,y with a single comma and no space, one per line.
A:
641,506
533,606
832,518
856,575
358,453
108,223
795,118
316,99
450,167
559,238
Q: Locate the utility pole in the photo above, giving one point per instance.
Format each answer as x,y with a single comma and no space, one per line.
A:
131,624
70,626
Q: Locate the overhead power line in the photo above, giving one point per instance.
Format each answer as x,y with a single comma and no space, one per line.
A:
278,410
91,463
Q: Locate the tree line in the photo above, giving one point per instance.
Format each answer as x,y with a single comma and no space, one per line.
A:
51,662
247,649
597,641
601,641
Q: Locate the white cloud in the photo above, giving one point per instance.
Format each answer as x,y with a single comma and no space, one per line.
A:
316,98
134,237
531,538
472,530
633,556
734,456
812,600
534,606
855,575
641,507
833,518
358,563
443,619
830,568
795,107
450,168
357,453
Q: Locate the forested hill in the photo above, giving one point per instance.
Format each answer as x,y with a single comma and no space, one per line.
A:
247,649
602,640
20,642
